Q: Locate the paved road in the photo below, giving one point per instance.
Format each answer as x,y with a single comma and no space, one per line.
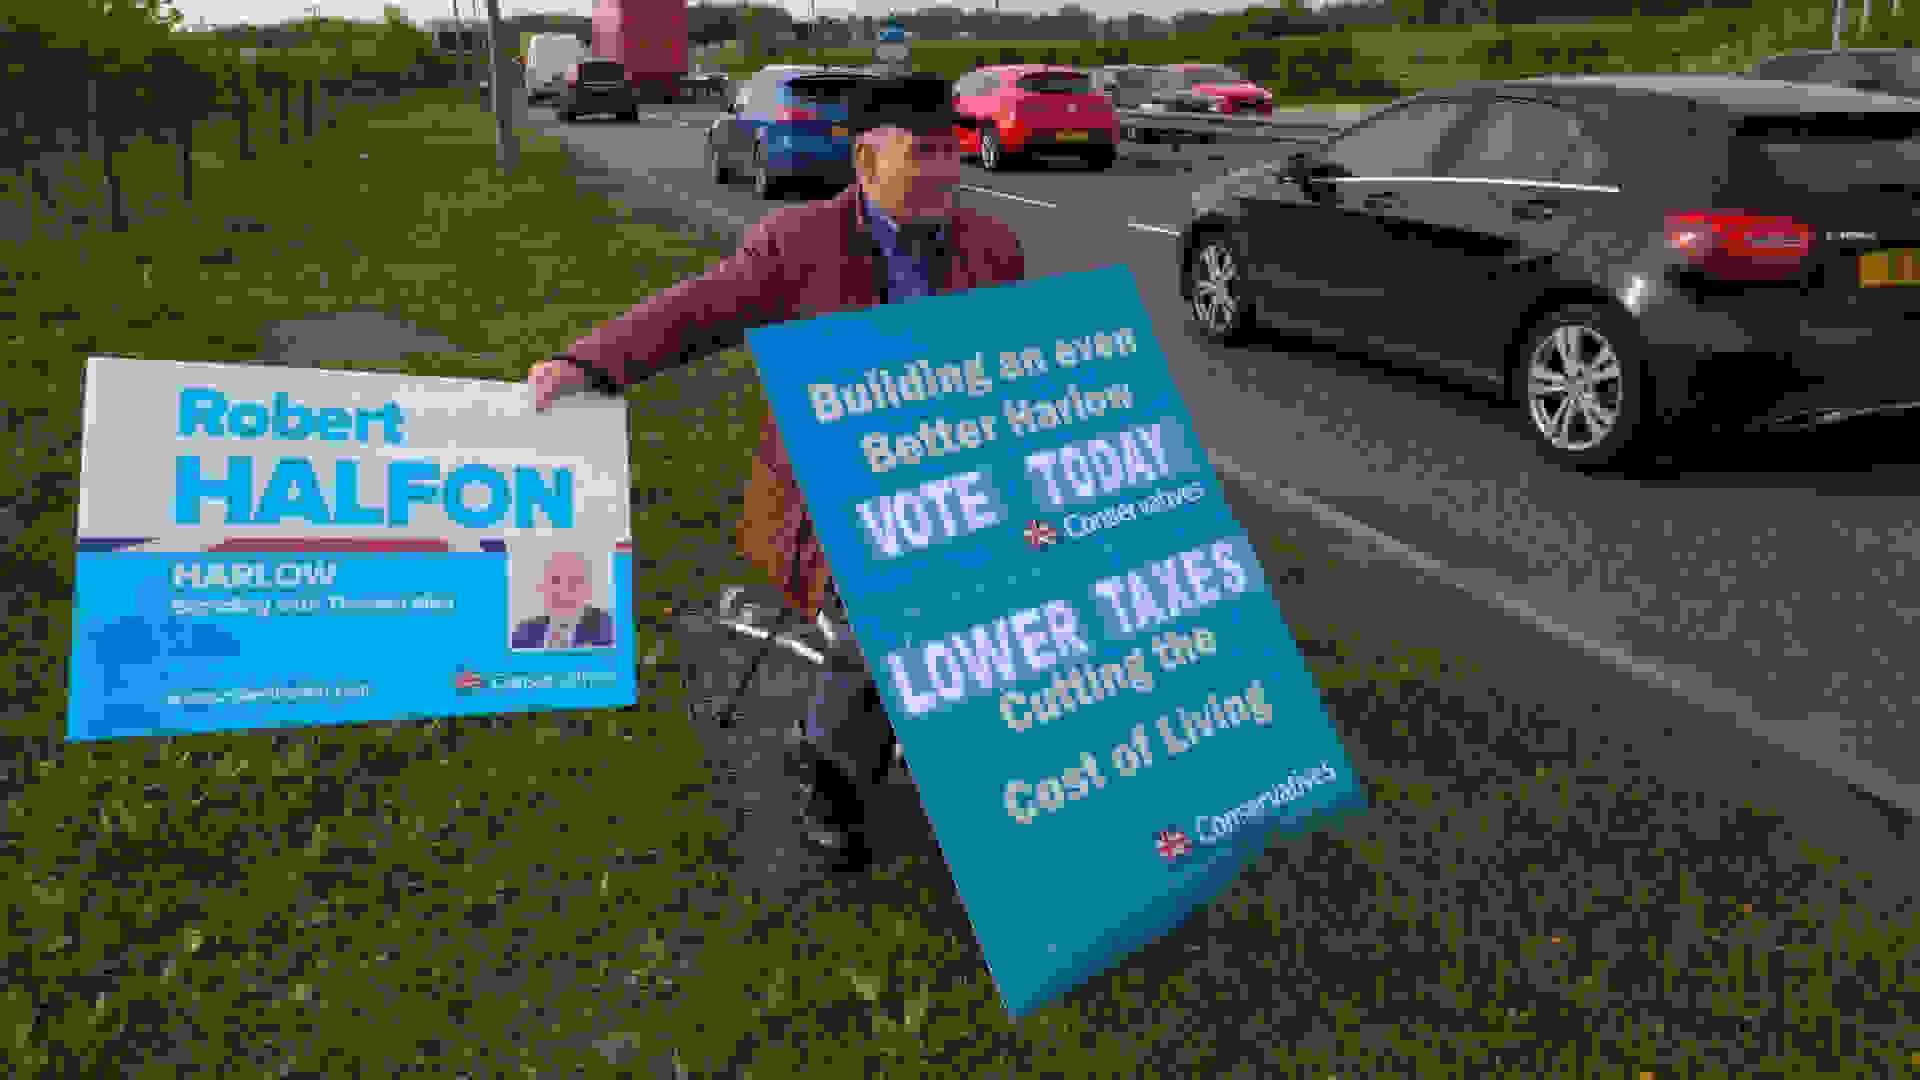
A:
1762,582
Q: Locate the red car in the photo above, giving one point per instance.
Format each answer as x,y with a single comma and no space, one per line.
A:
1227,89
1024,109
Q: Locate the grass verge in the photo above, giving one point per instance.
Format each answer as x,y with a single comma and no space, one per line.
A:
527,894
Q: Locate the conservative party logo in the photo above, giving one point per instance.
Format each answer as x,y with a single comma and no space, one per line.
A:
1173,846
466,681
1041,534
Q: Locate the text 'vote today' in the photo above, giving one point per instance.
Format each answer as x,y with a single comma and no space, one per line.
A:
1084,470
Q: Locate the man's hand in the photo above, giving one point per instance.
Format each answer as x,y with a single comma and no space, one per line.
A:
554,378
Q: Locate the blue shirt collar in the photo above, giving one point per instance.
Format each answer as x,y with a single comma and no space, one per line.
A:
885,230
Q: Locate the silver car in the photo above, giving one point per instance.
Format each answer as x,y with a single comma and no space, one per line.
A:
1128,86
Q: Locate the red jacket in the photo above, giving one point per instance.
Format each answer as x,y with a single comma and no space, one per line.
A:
799,262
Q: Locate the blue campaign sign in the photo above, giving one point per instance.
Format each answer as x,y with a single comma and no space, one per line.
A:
270,548
1105,712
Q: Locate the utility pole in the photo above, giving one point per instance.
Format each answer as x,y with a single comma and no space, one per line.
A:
505,142
459,45
1839,24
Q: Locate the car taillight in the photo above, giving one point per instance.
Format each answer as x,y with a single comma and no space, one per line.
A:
794,114
1735,244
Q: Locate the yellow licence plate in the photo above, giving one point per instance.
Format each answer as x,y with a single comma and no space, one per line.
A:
841,133
1900,266
1070,136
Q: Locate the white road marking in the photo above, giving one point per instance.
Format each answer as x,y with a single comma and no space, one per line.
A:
1434,567
1498,181
1696,691
1143,227
1007,195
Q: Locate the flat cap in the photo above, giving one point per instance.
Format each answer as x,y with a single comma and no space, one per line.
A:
920,103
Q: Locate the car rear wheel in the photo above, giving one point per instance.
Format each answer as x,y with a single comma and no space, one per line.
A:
765,184
1582,385
1102,159
1216,291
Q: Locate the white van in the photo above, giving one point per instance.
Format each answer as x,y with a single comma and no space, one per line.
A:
549,58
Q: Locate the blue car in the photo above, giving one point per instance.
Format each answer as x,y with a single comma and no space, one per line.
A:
786,124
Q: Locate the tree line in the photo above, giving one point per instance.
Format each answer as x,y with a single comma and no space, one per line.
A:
132,67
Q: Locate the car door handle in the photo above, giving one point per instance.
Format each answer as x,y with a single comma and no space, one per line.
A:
1535,209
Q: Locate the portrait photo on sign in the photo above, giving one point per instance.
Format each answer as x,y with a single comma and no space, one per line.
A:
560,598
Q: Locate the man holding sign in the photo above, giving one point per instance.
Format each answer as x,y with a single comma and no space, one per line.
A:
894,235
1108,713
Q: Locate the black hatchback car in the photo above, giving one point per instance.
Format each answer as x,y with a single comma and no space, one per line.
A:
598,86
1620,256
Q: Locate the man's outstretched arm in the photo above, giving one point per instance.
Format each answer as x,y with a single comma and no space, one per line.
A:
692,320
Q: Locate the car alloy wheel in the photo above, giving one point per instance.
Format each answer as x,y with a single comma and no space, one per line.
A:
1215,297
1583,388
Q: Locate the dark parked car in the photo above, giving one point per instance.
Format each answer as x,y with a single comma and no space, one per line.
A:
1620,255
786,123
1885,71
598,87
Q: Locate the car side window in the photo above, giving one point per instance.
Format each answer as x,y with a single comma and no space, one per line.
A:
1839,70
1785,68
1397,142
1519,140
